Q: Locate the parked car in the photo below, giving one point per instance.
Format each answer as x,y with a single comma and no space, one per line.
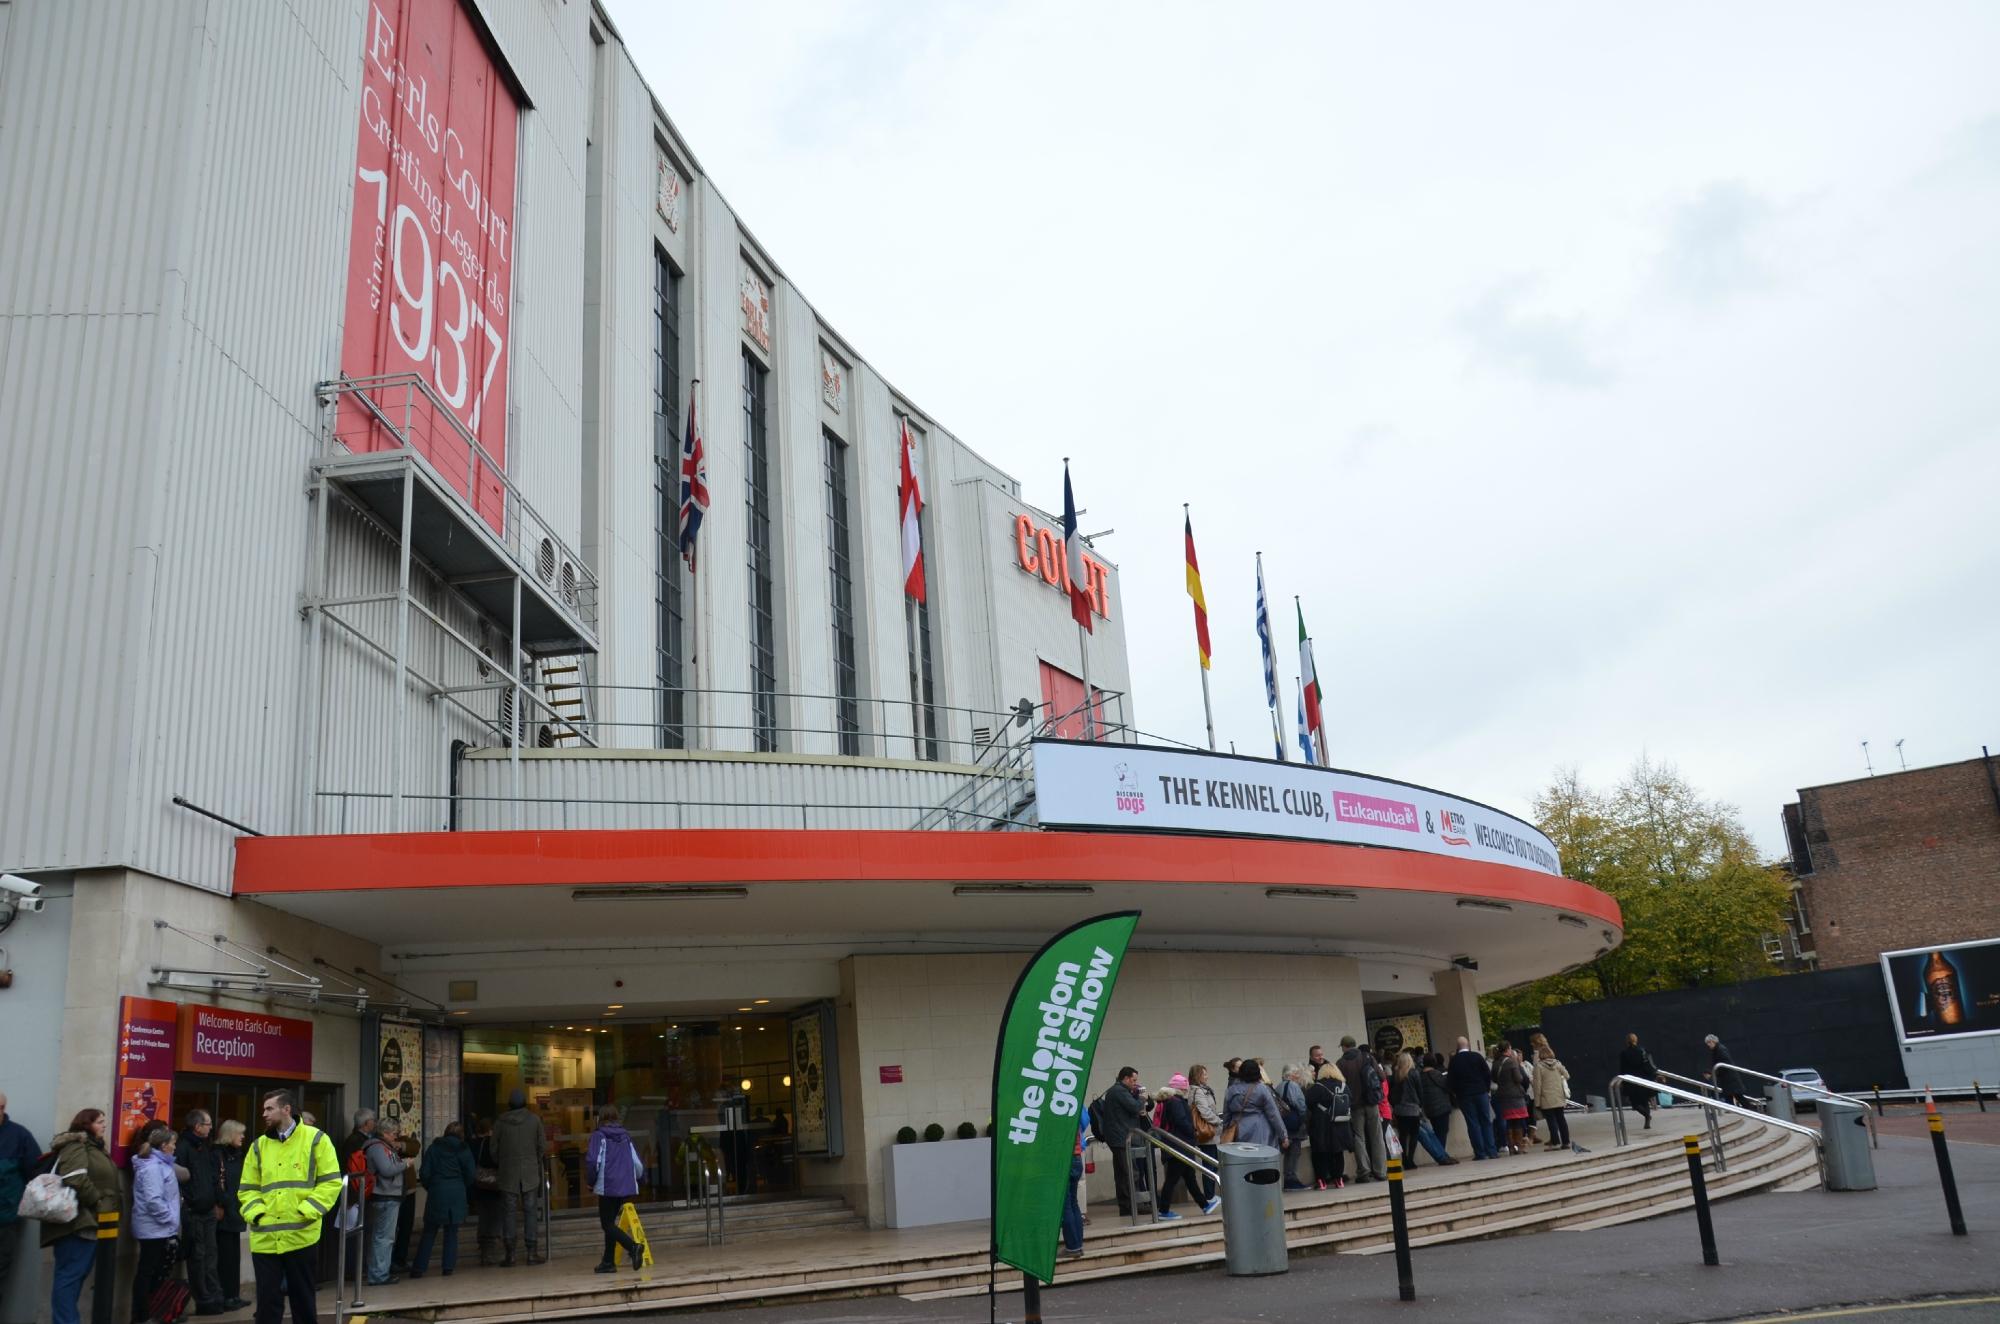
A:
1808,1076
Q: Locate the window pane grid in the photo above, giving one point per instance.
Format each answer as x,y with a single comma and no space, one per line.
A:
841,591
669,646
757,500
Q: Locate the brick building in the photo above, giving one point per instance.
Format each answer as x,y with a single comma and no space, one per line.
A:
1905,859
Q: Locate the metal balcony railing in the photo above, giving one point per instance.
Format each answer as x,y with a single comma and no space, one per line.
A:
403,413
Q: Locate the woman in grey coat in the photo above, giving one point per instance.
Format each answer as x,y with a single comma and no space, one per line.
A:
1254,1109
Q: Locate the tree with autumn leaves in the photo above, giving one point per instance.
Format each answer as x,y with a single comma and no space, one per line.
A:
1697,901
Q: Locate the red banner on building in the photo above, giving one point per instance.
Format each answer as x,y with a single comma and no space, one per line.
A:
430,274
223,1042
147,1031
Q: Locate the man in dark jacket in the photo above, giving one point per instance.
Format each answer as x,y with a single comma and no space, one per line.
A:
1636,1061
18,1155
1728,1083
201,1213
1364,1087
1470,1081
520,1151
1123,1111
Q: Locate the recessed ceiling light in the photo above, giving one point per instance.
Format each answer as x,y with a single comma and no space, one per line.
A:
690,892
614,1006
1311,893
761,1001
1019,889
1474,903
742,1009
746,1084
1573,921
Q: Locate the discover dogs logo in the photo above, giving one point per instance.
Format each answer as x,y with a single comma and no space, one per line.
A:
1131,800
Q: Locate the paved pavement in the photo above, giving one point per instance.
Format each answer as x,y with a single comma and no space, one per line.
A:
1804,1252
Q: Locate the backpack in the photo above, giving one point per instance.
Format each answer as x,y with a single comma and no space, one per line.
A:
1343,1102
1095,1111
169,1301
1292,1118
357,1166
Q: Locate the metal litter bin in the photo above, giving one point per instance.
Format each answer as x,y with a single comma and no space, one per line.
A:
1253,1209
1784,1105
1844,1128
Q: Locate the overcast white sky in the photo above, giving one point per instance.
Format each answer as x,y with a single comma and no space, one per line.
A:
1603,380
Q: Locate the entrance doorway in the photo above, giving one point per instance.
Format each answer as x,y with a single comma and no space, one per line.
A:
717,1089
241,1099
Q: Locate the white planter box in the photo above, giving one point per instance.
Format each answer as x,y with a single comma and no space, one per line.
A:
938,1181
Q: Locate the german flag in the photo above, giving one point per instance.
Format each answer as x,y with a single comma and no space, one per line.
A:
1194,591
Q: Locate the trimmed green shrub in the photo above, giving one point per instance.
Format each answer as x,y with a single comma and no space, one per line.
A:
907,1136
934,1132
967,1131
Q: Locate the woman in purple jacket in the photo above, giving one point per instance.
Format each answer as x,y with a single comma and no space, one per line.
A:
611,1165
156,1214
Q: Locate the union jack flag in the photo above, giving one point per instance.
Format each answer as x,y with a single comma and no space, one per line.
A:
694,484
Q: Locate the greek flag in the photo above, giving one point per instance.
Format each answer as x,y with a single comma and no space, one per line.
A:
1270,663
1305,732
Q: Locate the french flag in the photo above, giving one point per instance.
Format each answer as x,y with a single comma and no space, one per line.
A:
1079,583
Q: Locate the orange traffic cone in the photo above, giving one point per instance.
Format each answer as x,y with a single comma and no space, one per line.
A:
1930,1104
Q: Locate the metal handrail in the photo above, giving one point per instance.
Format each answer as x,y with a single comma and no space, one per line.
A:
341,1205
1618,1115
1795,1086
1173,1145
479,466
712,1184
1714,1124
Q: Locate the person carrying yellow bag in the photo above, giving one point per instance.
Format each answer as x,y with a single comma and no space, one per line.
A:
611,1165
629,1224
291,1181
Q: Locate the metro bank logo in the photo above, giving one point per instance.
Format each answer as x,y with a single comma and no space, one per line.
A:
1351,808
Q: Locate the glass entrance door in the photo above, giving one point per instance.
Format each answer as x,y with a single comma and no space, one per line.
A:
718,1088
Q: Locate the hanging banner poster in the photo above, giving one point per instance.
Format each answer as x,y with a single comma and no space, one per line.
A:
1041,1073
148,1030
430,266
399,1075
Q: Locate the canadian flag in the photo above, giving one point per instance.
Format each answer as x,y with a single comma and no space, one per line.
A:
910,499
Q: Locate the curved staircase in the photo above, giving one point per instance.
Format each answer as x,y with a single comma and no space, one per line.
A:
1537,1192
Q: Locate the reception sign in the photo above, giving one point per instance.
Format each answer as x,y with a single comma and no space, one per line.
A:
1041,1083
244,1043
1148,788
147,1031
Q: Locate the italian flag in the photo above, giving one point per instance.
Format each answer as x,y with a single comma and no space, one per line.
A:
1309,689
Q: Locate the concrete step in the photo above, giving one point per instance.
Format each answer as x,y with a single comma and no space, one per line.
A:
671,1225
1619,1185
1471,1200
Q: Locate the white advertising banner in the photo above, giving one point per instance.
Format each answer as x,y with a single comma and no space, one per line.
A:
1149,788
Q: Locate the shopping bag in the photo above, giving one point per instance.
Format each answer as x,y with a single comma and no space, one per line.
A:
47,1200
629,1224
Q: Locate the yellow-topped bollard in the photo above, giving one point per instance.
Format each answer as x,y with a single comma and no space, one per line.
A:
1406,1285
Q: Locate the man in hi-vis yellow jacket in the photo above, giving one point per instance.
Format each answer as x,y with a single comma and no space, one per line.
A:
291,1180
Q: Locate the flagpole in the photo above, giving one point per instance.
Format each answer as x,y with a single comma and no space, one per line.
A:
1299,702
1208,709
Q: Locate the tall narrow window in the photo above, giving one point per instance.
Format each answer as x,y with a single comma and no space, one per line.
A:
757,499
847,699
917,621
670,645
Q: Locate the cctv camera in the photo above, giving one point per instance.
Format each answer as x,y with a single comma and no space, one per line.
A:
20,886
31,903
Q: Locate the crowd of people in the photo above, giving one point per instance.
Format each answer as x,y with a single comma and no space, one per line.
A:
196,1193
1366,1103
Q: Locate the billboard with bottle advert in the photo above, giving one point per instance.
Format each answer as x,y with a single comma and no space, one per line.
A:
1949,991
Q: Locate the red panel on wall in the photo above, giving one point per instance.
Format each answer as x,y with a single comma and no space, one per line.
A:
430,275
1062,694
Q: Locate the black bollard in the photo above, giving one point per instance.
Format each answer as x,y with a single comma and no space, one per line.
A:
1031,1299
1700,1184
1944,1175
1406,1285
1878,1102
105,1286
1979,1095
